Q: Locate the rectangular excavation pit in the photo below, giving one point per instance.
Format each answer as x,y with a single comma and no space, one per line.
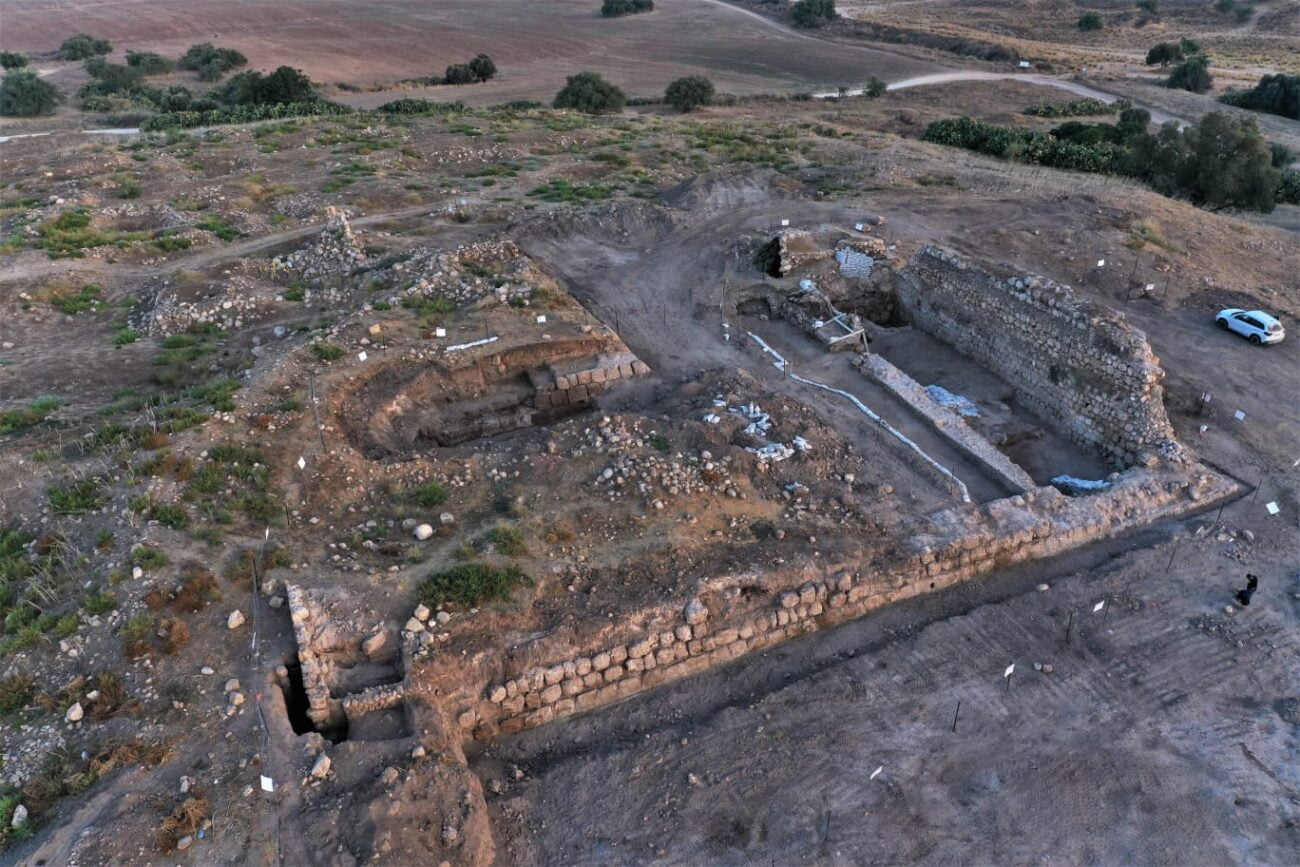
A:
1003,421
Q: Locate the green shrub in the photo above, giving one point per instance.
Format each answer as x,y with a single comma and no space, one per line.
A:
564,191
1090,21
482,66
1192,74
217,225
240,114
616,8
148,557
285,85
12,60
138,628
1164,53
14,420
813,13
429,494
16,692
327,351
77,498
508,541
1076,108
1276,94
211,62
85,298
98,602
149,63
689,93
1220,162
410,106
459,73
874,88
23,94
469,585
590,93
83,46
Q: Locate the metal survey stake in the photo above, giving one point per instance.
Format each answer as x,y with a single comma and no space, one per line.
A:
956,714
1068,625
1173,554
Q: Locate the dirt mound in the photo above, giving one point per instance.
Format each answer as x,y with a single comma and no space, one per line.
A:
709,195
619,225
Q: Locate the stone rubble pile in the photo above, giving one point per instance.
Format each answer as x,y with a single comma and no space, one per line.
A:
466,274
336,252
237,302
639,468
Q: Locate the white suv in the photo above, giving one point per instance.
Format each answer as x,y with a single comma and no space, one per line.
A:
1255,325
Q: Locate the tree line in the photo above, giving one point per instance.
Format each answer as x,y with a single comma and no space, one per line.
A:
1218,163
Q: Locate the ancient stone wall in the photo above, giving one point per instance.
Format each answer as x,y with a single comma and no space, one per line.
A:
524,687
1080,368
308,624
577,381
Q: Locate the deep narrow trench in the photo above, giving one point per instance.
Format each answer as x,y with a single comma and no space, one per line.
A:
297,705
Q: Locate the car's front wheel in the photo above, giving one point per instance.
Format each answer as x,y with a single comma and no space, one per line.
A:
1223,323
1254,338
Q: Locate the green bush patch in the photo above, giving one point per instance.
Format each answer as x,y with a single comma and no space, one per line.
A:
470,584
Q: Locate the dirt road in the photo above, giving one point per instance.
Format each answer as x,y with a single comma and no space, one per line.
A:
940,78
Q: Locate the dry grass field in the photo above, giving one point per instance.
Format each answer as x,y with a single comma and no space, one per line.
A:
1047,31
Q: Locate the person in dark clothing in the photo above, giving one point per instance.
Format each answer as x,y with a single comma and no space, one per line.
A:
1243,596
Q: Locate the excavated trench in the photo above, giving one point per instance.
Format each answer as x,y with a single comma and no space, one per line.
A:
405,409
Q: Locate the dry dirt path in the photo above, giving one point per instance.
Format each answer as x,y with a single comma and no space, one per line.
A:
940,78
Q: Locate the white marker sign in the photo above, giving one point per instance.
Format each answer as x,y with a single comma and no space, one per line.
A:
876,772
785,222
1100,605
361,356
268,784
1010,669
541,320
1272,508
302,463
1239,415
1101,263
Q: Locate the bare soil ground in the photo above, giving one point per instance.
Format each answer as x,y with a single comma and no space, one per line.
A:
535,45
1161,733
1167,726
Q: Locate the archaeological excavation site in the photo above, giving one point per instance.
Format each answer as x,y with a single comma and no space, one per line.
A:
631,480
736,521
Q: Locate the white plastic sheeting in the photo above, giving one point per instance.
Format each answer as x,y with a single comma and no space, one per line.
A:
961,404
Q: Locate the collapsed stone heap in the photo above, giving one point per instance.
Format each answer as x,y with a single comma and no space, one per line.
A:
336,252
642,465
466,274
